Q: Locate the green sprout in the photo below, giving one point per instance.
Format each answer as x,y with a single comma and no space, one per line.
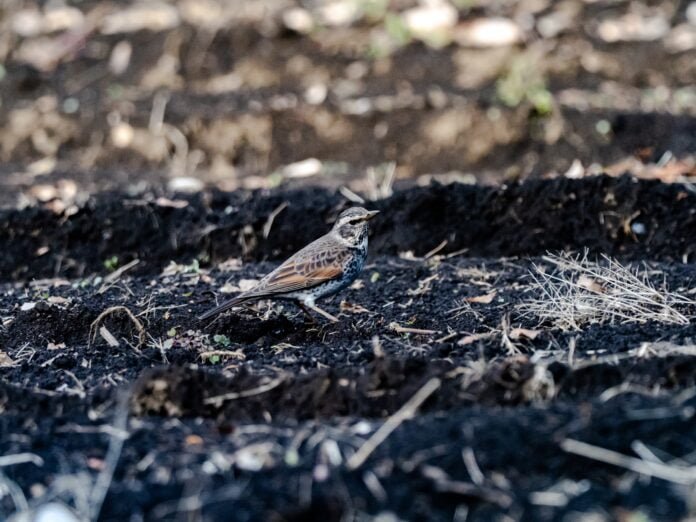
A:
525,83
111,264
222,340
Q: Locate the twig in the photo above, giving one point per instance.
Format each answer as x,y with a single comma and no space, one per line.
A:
659,470
155,308
375,487
644,452
80,390
446,337
456,253
219,399
472,466
159,107
395,327
108,337
444,483
93,329
393,422
20,458
435,250
15,492
351,196
505,338
110,279
385,187
271,218
113,454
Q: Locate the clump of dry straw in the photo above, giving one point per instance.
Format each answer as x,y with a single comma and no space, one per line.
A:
577,291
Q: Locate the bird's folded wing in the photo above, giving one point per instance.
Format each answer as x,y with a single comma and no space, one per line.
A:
300,274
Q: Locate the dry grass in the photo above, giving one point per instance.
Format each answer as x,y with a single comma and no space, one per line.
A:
577,292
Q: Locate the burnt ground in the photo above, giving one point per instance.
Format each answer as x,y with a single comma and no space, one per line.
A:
259,412
154,159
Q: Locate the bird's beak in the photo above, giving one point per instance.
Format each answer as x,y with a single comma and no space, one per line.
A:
371,214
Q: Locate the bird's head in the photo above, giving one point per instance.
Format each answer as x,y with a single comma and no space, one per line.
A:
351,224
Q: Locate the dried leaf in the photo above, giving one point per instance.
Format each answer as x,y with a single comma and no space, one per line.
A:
523,333
483,299
171,203
229,288
5,360
232,264
108,337
95,463
353,308
357,284
470,339
590,284
247,284
193,440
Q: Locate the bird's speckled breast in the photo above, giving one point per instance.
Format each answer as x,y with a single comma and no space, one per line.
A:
351,269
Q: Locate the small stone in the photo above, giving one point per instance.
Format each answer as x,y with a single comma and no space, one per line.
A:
298,19
316,94
122,135
489,32
186,184
638,228
303,169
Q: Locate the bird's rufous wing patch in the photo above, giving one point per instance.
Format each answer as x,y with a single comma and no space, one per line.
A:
298,275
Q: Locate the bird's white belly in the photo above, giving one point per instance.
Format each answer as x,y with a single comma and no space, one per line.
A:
328,288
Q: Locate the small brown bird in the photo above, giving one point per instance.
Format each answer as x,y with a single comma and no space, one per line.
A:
322,268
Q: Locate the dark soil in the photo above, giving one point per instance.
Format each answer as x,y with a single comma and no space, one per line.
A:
618,216
304,396
137,192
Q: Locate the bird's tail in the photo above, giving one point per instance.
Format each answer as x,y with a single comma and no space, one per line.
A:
224,306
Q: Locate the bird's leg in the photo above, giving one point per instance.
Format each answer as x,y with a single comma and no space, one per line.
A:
318,310
306,312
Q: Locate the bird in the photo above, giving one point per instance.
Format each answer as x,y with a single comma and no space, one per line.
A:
322,268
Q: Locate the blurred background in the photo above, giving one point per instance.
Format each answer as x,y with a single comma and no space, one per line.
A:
351,94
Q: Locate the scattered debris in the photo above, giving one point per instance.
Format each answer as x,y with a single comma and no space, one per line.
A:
393,422
523,333
5,360
271,217
395,327
115,310
353,308
108,337
488,32
483,299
